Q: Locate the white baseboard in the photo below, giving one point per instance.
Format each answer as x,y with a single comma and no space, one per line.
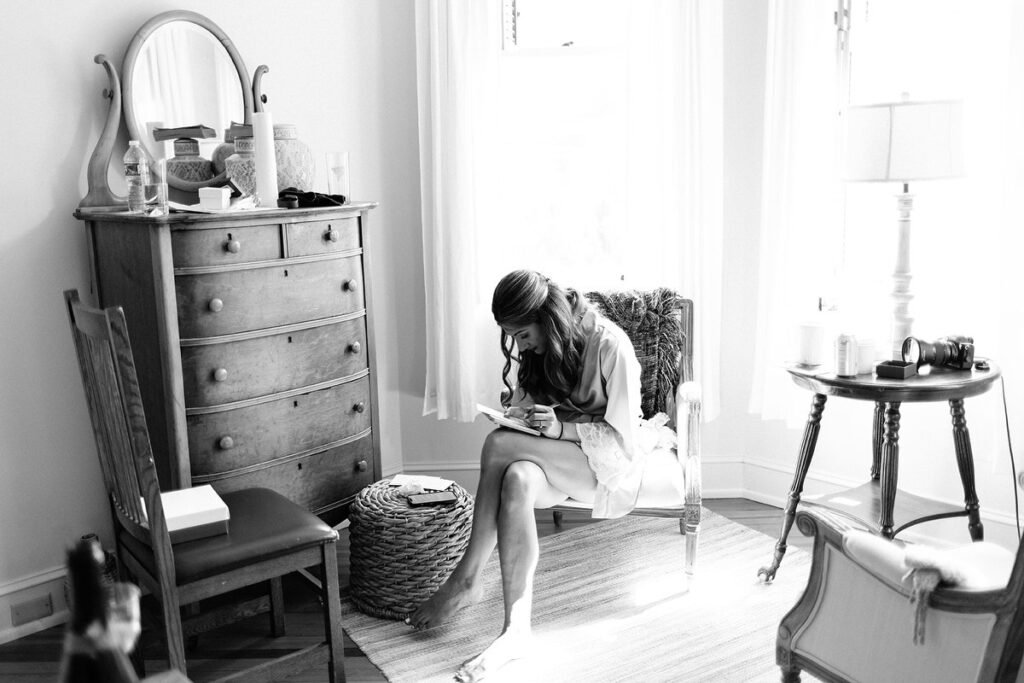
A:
48,582
767,482
722,476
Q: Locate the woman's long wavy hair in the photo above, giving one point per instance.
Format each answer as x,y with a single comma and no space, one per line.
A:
524,297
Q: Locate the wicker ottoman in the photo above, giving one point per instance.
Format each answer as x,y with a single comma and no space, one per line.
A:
400,555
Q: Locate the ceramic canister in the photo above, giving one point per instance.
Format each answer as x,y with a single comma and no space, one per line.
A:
186,164
295,167
241,166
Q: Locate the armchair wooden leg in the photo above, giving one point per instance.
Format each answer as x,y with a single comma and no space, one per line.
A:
692,532
790,674
276,607
332,614
556,515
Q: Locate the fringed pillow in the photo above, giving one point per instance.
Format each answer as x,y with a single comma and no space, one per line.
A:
651,320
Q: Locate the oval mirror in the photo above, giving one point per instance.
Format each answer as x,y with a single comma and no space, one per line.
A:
181,70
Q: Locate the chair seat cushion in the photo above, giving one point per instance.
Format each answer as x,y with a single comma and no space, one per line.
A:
661,485
263,524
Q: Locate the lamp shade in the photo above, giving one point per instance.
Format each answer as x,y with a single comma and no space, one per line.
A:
904,141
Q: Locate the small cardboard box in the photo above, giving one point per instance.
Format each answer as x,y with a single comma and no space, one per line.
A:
194,513
214,197
896,369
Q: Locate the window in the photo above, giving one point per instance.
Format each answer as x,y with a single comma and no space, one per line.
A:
542,24
602,157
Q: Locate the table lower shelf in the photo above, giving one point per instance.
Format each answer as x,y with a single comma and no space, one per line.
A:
863,503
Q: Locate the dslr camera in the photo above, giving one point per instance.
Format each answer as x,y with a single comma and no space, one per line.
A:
951,352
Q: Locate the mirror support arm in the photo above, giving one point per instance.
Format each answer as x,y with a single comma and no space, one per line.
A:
99,194
258,98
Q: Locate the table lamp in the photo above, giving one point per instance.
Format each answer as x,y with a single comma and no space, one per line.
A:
901,142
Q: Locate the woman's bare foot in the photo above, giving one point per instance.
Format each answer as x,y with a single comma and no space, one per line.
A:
509,646
452,596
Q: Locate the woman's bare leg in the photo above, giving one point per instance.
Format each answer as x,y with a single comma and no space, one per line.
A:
524,488
565,468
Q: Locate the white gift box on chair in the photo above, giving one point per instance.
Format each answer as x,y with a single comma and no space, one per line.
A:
194,513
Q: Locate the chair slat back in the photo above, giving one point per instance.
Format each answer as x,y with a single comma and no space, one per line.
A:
659,322
118,419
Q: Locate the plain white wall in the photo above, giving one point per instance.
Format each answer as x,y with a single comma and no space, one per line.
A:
344,73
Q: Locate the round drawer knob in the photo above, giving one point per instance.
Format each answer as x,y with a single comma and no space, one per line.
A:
362,466
359,407
234,246
351,285
216,305
220,374
332,235
226,443
355,347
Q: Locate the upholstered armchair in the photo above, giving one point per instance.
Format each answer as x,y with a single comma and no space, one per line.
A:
659,322
878,610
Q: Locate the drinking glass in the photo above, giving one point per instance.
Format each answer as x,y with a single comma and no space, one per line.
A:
338,174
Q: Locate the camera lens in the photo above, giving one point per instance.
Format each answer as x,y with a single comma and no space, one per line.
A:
912,350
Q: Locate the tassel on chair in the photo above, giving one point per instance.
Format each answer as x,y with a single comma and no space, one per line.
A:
925,581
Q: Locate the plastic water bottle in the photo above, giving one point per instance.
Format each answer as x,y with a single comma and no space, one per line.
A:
136,174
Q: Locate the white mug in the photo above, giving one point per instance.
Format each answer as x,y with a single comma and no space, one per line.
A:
865,356
812,343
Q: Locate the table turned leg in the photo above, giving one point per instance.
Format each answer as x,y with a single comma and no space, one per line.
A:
965,462
803,463
877,431
890,467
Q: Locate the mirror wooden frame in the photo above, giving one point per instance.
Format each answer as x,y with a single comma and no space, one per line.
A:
128,65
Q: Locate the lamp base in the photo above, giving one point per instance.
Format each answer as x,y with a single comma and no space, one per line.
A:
902,321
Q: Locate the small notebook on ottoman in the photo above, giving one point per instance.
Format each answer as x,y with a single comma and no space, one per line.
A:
194,513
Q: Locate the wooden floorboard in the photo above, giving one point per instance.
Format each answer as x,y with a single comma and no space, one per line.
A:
232,648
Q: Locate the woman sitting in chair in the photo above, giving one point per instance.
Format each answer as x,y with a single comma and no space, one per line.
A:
578,383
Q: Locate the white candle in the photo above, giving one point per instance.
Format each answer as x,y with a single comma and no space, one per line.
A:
266,161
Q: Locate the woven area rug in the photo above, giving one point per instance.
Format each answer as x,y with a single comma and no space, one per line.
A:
611,603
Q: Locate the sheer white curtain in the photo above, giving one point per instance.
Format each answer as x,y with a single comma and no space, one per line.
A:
458,42
674,199
608,175
801,199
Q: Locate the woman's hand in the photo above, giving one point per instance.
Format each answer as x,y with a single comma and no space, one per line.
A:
517,412
542,418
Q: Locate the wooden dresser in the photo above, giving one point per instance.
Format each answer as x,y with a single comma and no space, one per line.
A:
252,338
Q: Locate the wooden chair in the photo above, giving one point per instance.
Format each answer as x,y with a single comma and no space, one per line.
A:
856,622
268,535
660,324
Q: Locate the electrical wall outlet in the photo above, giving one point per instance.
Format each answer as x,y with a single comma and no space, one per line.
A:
31,610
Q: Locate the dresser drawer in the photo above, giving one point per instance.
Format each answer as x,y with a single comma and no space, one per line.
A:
225,372
223,246
224,441
318,482
323,237
219,303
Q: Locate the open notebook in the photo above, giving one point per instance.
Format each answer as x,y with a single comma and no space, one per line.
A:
499,418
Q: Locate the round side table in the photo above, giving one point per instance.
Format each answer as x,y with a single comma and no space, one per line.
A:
879,495
400,555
